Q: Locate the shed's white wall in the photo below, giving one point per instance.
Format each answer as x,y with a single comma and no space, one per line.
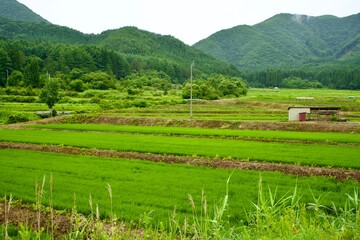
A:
294,113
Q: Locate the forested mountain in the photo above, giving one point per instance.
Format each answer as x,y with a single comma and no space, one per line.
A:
143,50
285,50
14,10
324,49
28,31
28,63
164,53
287,40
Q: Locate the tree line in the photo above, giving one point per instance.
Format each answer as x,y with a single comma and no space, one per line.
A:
81,67
29,64
336,77
78,67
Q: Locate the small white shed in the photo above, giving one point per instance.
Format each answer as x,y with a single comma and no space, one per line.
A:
294,112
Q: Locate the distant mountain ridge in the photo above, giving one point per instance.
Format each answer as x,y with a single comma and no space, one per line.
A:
14,10
323,50
143,49
287,40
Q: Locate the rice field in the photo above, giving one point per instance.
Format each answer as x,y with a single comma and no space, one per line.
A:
146,189
140,187
318,137
282,152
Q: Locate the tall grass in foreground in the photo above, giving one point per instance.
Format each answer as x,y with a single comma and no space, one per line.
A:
272,217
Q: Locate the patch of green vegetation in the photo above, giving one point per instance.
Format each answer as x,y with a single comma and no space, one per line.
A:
321,137
140,187
258,105
305,154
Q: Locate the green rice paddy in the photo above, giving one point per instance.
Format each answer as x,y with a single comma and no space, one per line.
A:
284,152
141,187
321,137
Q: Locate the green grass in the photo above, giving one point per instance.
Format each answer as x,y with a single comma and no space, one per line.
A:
258,105
242,134
141,187
305,154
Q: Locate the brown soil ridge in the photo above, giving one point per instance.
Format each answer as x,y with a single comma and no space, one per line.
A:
339,174
310,126
345,127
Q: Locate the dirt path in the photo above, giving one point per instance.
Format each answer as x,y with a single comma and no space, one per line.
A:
340,174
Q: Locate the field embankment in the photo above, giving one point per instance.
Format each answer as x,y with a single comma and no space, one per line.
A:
349,127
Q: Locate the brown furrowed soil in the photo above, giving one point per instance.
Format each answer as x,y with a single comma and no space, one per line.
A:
340,174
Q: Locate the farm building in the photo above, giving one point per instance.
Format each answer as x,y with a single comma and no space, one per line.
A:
313,113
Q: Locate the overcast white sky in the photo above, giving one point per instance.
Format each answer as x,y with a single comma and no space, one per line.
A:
187,20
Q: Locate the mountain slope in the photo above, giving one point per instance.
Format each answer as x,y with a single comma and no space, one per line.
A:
28,31
286,40
159,50
14,10
144,50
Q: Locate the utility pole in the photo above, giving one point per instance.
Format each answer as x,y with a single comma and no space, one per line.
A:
7,77
191,98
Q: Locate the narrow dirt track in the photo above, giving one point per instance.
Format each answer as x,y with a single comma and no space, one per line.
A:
340,174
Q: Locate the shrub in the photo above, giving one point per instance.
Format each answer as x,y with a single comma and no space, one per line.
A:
133,91
15,78
296,82
77,85
20,99
141,103
106,105
17,117
65,100
95,99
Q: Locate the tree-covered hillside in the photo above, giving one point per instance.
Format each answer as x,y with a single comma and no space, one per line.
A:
285,50
143,50
287,40
31,32
14,10
29,63
293,51
163,53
